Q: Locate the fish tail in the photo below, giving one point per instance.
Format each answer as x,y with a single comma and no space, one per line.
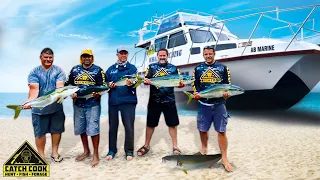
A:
138,82
190,96
17,110
185,171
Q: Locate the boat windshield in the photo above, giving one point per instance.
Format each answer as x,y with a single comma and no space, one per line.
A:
201,36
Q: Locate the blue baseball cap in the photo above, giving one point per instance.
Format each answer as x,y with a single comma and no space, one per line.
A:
122,48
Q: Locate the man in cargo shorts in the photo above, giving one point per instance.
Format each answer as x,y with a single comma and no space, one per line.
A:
212,110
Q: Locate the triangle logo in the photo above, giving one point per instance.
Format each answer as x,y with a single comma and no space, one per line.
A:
26,162
210,76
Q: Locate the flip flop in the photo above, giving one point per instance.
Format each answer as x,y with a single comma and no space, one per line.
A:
57,159
145,150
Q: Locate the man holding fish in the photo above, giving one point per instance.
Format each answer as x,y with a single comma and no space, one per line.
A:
212,110
122,79
87,103
42,80
161,99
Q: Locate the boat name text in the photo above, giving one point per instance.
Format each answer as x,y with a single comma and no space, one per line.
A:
262,48
171,55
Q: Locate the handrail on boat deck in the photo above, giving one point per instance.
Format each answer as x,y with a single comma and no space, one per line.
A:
262,14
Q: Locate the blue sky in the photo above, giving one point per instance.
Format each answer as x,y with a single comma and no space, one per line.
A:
69,26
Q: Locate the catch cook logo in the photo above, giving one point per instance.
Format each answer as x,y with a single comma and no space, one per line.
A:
84,78
161,72
210,76
26,162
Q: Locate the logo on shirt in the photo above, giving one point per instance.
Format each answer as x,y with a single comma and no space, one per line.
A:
84,78
210,76
161,72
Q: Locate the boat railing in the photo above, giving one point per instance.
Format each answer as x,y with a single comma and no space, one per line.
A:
261,15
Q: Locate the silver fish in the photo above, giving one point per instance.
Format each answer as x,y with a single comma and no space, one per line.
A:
216,91
187,162
171,80
58,95
97,89
122,81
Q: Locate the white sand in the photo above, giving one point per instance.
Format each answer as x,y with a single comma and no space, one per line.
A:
258,149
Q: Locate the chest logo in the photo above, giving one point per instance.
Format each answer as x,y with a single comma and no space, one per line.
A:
84,78
161,72
210,76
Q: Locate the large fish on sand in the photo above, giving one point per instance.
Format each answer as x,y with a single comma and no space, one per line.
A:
216,91
134,77
97,89
187,162
57,95
171,80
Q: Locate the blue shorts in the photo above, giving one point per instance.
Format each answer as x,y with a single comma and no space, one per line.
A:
87,120
216,114
48,123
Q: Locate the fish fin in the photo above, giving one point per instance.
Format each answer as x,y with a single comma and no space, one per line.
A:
185,171
138,82
60,100
190,96
17,110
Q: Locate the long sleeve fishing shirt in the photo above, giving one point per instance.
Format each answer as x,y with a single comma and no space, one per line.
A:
82,77
163,94
206,75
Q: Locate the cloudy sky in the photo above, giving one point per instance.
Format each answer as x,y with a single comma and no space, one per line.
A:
26,27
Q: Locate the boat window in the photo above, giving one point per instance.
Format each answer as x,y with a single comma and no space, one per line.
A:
201,36
223,37
160,43
221,47
177,39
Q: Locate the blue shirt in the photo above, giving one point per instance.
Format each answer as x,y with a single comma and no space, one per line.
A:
81,77
47,80
163,94
206,75
121,94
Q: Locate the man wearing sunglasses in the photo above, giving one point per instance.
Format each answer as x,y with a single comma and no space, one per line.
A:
213,110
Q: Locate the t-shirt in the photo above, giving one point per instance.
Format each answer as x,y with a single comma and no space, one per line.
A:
47,80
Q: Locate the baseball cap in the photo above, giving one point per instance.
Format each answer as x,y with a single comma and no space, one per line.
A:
87,51
122,48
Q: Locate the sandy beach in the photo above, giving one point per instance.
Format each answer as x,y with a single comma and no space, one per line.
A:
259,148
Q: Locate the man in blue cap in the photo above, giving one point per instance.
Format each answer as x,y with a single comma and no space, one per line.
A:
123,99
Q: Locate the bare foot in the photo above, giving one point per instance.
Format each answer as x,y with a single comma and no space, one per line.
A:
227,166
203,151
82,156
95,161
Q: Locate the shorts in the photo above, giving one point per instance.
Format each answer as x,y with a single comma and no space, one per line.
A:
216,114
48,123
169,111
87,120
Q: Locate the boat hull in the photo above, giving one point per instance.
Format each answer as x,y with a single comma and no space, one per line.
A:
274,82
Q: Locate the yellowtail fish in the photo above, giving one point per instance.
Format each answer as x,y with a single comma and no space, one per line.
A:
97,89
187,162
58,95
216,91
171,80
134,77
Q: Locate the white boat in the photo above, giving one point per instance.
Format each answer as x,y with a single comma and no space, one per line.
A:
275,73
